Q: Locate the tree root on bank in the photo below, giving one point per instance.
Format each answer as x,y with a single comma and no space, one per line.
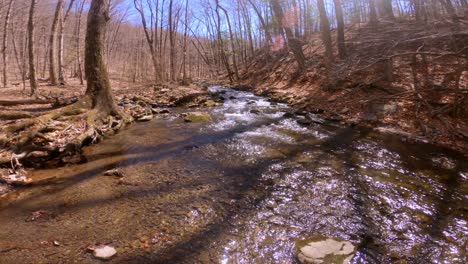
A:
58,133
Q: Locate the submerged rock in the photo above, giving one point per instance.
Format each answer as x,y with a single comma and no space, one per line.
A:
145,118
104,252
326,251
211,103
197,117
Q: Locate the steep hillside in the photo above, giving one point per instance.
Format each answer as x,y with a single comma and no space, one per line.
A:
409,77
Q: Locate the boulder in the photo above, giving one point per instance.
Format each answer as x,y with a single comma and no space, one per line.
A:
325,251
197,117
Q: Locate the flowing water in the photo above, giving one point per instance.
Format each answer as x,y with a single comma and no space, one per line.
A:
243,189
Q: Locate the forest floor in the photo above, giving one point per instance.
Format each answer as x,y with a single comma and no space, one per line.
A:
426,95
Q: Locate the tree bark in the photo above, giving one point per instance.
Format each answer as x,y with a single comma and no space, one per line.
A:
340,29
53,43
5,43
98,89
62,23
32,69
326,35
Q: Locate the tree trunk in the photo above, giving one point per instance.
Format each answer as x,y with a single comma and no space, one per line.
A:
32,69
150,40
184,59
53,43
172,43
326,35
340,29
98,89
223,55
5,43
78,48
263,23
373,20
234,62
293,43
386,9
450,10
62,23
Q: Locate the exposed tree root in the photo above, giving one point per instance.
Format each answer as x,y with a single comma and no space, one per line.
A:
61,131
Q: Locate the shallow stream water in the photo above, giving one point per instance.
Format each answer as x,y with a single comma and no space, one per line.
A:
243,189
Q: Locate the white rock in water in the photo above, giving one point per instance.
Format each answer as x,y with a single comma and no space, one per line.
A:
145,118
326,251
104,252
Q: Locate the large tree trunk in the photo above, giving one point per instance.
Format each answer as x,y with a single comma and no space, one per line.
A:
32,69
5,43
98,90
53,43
340,29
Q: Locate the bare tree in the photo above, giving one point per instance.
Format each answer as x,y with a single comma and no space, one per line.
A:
32,69
326,35
5,43
53,43
293,43
340,29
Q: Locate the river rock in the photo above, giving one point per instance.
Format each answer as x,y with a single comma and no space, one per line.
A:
301,113
145,118
325,251
104,252
255,111
197,117
210,103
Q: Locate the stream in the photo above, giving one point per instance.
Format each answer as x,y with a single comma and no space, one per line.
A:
244,188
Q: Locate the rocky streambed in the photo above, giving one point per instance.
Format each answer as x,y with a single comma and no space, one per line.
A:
248,181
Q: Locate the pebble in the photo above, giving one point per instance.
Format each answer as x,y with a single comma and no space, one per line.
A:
104,252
